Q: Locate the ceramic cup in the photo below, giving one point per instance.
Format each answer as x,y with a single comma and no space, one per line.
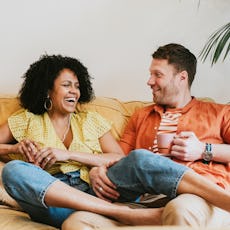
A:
164,142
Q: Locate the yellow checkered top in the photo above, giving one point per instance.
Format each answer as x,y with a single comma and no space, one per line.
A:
87,128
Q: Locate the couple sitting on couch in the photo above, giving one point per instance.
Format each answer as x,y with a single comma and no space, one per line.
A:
56,146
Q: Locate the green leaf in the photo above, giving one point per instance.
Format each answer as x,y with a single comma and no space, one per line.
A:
216,44
226,53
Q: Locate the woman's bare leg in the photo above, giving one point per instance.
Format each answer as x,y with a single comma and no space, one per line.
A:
196,184
61,195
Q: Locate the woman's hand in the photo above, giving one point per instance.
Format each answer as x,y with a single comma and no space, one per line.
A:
26,148
101,184
46,157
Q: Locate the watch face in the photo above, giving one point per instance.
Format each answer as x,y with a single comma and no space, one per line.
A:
207,156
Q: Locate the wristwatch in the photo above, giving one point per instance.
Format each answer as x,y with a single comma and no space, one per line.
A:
207,154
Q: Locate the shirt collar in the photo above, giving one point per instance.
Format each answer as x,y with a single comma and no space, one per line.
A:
160,109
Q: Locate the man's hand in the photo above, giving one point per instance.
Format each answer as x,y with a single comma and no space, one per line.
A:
187,147
101,184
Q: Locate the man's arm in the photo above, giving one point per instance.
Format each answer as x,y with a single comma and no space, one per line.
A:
221,152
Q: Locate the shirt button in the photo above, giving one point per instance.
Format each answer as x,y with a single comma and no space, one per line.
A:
155,127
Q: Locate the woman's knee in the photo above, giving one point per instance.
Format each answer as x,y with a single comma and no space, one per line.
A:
12,171
19,175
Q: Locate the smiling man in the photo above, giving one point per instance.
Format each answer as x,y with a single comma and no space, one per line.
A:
202,130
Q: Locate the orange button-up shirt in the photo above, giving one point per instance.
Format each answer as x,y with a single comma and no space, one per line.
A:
209,121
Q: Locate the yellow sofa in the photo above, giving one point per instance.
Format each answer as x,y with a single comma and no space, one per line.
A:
116,111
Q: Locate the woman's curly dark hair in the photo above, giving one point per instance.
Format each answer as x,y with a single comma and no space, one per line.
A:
40,77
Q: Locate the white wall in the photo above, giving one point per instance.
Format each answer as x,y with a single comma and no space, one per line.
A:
113,38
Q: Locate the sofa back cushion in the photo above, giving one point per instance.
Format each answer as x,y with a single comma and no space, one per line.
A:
114,110
8,105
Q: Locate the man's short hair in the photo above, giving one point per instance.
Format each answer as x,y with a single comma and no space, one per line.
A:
180,57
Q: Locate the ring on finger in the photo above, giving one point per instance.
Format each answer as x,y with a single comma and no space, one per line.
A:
100,189
47,159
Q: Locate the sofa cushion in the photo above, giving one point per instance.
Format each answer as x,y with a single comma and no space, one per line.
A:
12,219
8,105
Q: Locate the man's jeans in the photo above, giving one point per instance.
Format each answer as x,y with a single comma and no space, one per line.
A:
138,173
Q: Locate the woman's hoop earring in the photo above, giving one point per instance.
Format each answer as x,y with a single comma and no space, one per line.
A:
48,104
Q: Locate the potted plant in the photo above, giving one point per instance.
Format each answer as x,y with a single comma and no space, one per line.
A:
217,43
